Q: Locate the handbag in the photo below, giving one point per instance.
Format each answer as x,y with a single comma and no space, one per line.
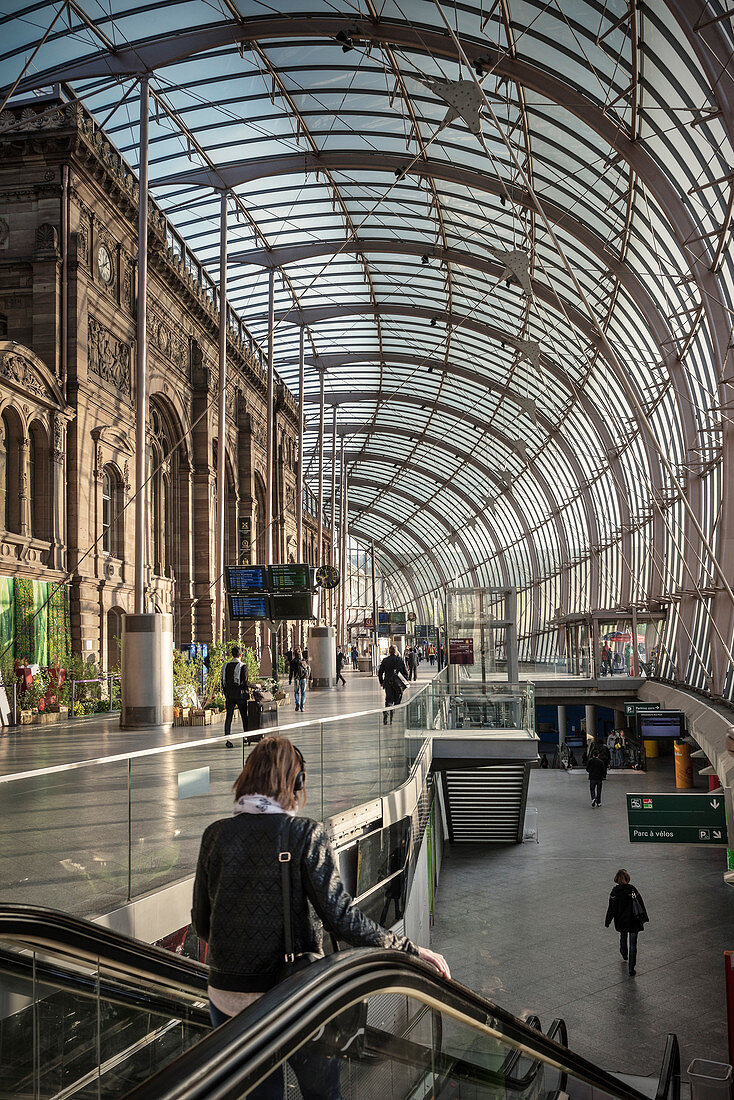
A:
638,909
343,1036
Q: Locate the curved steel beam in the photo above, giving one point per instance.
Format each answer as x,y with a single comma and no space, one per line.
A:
440,517
146,55
457,452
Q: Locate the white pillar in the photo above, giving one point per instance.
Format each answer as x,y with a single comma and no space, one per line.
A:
561,726
269,440
221,476
590,722
141,396
299,483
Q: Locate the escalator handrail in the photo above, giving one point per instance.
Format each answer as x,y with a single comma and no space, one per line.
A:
54,932
669,1081
236,1056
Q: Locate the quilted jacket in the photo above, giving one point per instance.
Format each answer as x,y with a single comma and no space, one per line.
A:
238,900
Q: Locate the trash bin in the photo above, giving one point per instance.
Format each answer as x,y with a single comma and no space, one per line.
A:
710,1080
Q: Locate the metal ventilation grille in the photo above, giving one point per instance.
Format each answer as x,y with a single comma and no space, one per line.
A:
487,804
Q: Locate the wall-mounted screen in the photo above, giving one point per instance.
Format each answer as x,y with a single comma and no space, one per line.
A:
661,723
248,607
297,605
246,578
290,577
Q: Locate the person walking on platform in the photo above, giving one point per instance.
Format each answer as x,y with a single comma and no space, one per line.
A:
411,660
236,689
355,657
597,770
618,749
431,655
341,660
300,673
627,909
240,896
391,669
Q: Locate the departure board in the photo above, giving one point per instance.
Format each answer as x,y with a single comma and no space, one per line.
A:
296,605
246,578
290,577
248,607
396,617
382,618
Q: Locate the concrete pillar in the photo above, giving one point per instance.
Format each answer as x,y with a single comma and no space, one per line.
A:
591,726
147,671
561,726
322,655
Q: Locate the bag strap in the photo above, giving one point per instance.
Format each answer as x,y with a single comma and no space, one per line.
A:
284,859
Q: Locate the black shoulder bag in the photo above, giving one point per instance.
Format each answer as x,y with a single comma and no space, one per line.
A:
343,1036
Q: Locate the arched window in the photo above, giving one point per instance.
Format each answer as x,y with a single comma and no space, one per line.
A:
38,482
11,479
111,512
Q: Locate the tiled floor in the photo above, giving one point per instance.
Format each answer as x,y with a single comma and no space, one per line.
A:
524,924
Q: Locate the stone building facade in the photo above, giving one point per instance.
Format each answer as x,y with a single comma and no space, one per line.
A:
68,225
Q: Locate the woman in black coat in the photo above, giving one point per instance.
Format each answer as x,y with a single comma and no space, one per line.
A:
627,909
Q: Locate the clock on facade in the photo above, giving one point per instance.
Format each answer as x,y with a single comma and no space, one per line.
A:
104,264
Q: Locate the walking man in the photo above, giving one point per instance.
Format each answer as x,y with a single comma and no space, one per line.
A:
411,660
341,660
236,689
597,770
389,673
300,674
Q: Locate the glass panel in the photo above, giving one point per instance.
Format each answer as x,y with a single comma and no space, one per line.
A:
393,1046
82,1029
63,839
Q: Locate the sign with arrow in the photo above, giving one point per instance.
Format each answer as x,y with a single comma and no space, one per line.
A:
676,818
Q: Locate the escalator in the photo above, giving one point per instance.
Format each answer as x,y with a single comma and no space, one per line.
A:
99,1015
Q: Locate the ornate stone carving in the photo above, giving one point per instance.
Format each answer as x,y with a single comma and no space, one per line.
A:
126,476
47,242
18,370
4,233
259,430
109,358
82,243
59,439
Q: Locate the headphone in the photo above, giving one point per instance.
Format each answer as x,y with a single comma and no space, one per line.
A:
300,781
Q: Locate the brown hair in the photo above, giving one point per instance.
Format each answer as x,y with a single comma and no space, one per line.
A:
272,769
622,877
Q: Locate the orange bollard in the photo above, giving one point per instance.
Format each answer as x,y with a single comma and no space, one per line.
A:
683,766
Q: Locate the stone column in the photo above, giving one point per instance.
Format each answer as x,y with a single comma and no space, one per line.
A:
58,494
24,500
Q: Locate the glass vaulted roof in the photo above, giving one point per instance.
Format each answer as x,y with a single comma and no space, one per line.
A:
505,228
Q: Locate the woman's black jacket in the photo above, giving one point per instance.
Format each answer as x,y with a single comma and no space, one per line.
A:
620,909
238,900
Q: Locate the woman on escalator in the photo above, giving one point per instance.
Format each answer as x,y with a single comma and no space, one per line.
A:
239,904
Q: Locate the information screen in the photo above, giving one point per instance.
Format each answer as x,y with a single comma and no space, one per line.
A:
382,618
396,617
295,606
246,578
661,723
248,607
290,577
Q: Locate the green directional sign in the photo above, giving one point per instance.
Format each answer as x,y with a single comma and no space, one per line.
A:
676,818
636,708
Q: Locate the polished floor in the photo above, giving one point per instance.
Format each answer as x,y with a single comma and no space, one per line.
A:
99,830
27,748
524,925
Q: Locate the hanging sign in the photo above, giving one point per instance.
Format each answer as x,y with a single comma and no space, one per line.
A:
461,651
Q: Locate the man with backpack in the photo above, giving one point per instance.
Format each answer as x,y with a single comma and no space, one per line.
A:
235,688
300,672
389,673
